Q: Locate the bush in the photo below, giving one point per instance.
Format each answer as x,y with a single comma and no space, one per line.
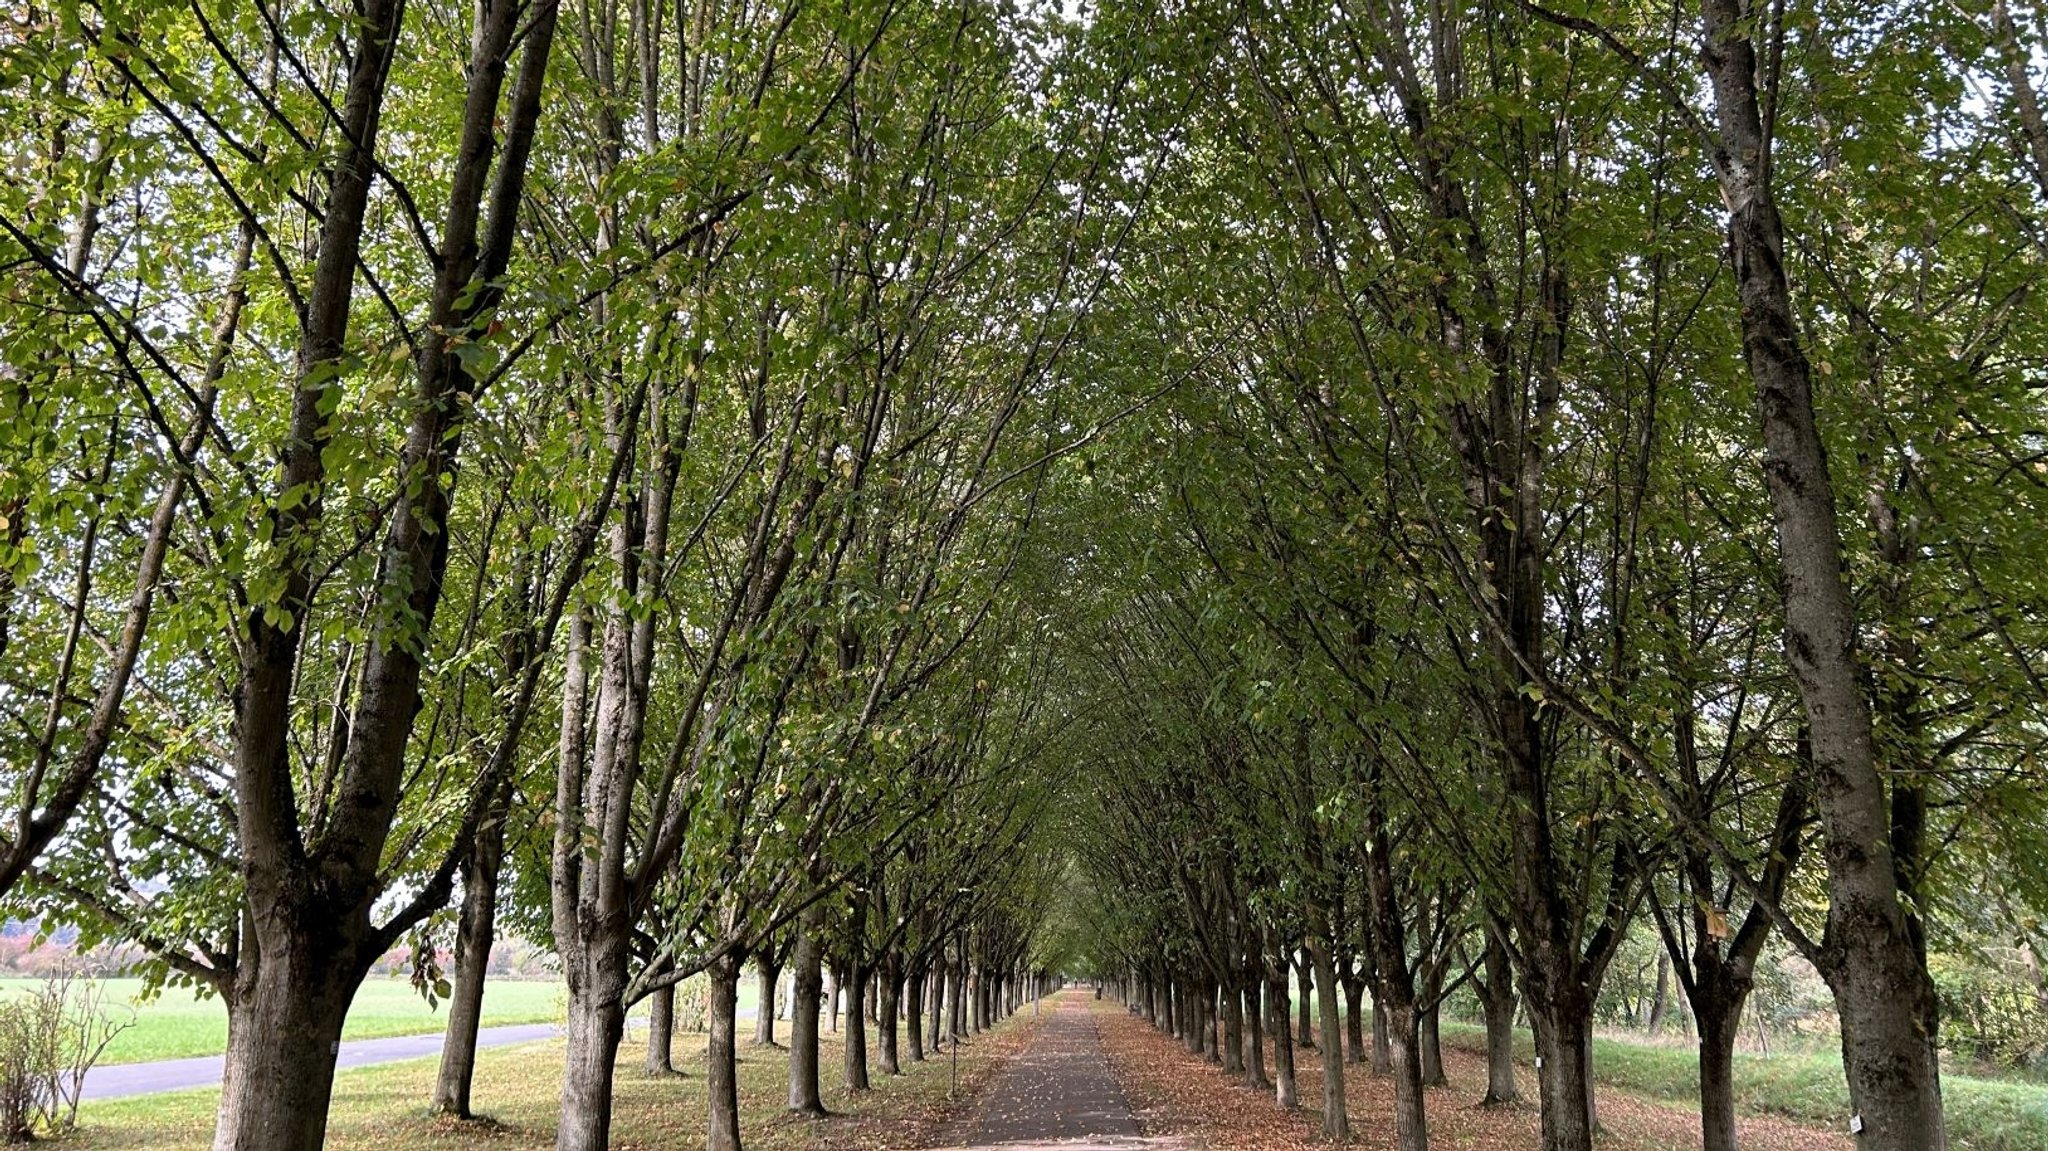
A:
1991,1009
49,1038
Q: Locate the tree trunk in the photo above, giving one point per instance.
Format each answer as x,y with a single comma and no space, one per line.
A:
1382,1053
1432,1047
1233,1031
1411,1126
890,984
1255,1034
283,1035
475,931
764,1014
1354,1025
1660,1002
1564,1080
1497,999
806,990
913,1014
956,1010
721,1057
1305,1032
1717,1077
1336,1124
661,1031
1393,990
1284,1089
855,1035
1883,994
597,1023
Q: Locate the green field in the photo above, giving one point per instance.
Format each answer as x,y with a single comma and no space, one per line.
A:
377,1108
1983,1114
175,1025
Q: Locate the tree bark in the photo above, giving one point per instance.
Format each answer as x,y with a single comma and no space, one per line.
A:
1285,1091
1255,1033
721,1059
890,985
1305,1032
597,1022
1354,1024
1497,1000
1336,1123
1432,1047
661,1031
764,1017
1717,1079
913,1013
806,990
1564,1080
855,1034
1233,1030
475,932
284,1030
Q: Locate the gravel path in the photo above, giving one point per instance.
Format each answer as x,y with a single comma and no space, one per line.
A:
1056,1094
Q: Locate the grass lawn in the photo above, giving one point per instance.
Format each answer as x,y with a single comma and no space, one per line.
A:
176,1025
1982,1114
378,1108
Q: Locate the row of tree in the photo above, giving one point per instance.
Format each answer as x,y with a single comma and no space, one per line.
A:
1396,493
580,458
1606,493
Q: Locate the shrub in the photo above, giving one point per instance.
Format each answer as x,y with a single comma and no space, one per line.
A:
49,1038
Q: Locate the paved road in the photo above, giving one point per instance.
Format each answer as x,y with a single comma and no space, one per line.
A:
118,1080
122,1079
1057,1093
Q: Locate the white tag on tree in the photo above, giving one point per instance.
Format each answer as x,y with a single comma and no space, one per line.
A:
1855,1124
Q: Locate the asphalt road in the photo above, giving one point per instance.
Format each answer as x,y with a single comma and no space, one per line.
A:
118,1080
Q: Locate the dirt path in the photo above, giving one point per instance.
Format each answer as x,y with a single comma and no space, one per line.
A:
1057,1093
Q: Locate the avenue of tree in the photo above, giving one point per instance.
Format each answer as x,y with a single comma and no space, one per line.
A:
1262,503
